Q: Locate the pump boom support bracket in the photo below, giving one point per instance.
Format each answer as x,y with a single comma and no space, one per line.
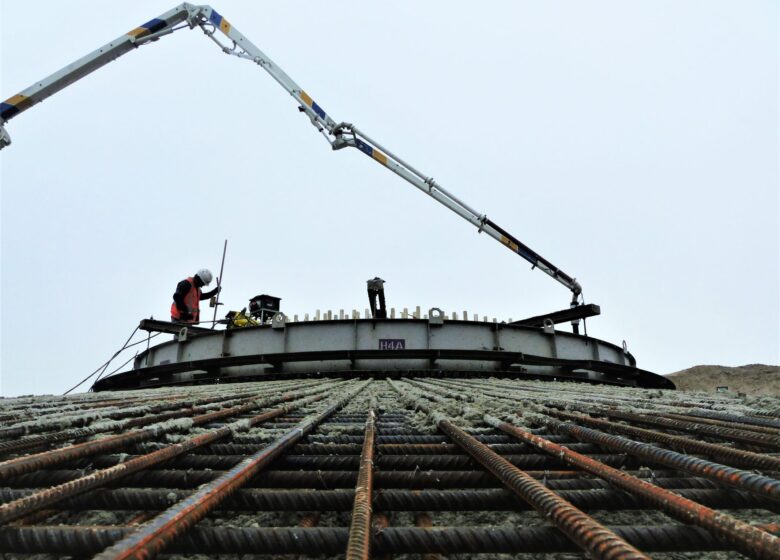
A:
573,314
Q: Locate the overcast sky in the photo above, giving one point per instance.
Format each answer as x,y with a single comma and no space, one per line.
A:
633,144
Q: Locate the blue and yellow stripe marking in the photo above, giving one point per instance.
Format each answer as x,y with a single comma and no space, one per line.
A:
13,106
509,243
151,26
373,152
519,250
310,102
219,21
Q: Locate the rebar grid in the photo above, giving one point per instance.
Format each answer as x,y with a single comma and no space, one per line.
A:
197,469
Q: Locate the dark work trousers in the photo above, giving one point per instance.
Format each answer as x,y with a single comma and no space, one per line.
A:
373,295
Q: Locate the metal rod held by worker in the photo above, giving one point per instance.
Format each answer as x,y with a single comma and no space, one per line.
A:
219,285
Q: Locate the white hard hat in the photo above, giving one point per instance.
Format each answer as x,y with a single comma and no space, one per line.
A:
205,275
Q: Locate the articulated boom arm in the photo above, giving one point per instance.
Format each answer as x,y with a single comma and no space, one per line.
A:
339,135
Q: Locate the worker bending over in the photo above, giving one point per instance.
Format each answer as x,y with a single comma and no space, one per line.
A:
186,300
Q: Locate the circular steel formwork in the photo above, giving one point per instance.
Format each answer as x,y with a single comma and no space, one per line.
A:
382,348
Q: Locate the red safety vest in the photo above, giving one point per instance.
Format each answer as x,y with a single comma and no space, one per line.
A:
191,302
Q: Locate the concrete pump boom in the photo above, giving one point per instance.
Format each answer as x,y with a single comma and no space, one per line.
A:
338,135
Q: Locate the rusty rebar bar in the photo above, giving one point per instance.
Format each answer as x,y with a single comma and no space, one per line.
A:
743,436
410,479
740,479
45,498
54,423
770,422
751,431
586,532
743,480
423,520
494,499
307,522
532,461
155,414
729,455
391,449
48,459
722,423
406,438
360,527
380,522
153,537
80,541
745,538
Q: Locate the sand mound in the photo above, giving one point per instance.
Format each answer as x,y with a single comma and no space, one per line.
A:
753,379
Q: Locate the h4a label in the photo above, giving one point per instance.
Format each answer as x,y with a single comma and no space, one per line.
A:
392,344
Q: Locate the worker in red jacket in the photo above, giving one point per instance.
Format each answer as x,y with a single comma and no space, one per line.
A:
186,300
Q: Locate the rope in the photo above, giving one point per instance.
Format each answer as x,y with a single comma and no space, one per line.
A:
105,365
151,336
117,369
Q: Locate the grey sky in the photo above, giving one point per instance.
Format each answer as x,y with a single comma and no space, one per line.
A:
633,144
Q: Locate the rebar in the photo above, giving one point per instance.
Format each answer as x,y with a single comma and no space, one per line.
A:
744,436
586,532
99,478
416,438
54,424
156,535
743,480
424,521
534,461
418,471
748,540
383,449
48,459
722,423
155,414
358,545
497,499
409,479
751,420
81,541
729,455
